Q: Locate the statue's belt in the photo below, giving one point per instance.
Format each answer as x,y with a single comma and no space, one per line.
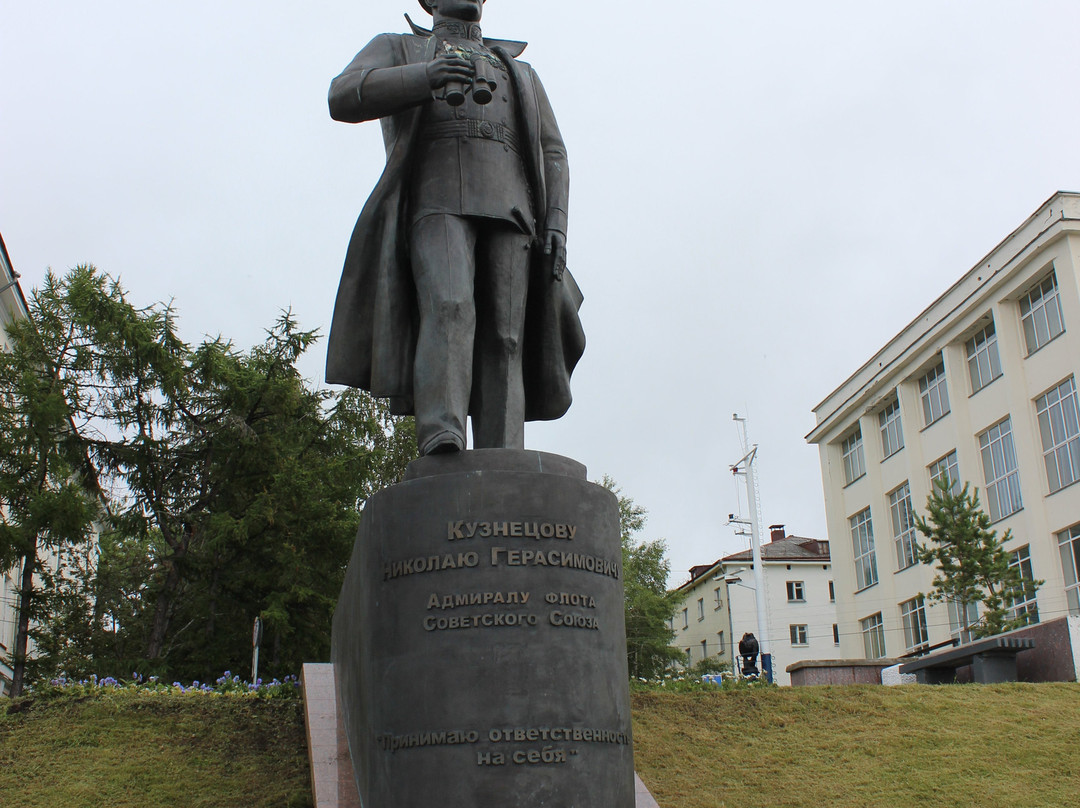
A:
470,127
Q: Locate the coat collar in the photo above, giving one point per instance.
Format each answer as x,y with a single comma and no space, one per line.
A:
512,47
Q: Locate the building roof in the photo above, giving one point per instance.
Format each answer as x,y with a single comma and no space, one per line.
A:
781,549
789,548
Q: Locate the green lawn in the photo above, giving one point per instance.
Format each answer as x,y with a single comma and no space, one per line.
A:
139,750
959,745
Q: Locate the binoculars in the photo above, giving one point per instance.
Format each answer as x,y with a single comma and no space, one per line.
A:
483,85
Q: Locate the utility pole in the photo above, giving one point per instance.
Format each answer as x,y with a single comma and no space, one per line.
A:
745,468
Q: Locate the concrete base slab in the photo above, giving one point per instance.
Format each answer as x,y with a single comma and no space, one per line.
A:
332,782
643,799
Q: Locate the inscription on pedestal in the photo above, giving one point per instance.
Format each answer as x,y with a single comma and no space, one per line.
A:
492,642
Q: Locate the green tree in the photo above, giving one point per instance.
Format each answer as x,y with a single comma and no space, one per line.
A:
648,604
234,487
47,492
972,565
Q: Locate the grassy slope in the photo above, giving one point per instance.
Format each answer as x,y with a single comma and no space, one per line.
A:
986,746
964,745
131,750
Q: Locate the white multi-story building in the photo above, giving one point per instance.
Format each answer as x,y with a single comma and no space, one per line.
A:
718,604
981,387
12,307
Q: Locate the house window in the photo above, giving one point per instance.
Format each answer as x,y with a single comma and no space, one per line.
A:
1040,312
795,591
685,619
962,620
852,451
892,435
903,521
1026,606
984,364
798,635
913,616
862,541
873,633
704,649
946,469
934,394
1069,546
832,593
835,634
716,595
701,608
720,640
999,471
1058,425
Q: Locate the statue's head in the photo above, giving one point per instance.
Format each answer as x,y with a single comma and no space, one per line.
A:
468,10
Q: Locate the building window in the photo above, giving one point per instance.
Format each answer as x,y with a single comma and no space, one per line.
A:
892,435
685,619
701,608
913,616
1069,546
984,364
798,635
946,469
832,592
1026,606
704,649
719,601
852,451
1058,425
999,471
962,620
1040,312
835,634
873,634
934,394
903,521
795,591
862,541
720,640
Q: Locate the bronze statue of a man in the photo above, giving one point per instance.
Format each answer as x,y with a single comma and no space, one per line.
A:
454,300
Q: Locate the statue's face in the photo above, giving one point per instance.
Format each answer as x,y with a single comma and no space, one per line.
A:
467,10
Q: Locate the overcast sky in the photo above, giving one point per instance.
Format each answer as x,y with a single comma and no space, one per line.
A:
763,193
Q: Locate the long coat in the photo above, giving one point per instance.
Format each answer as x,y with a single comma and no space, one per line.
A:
373,336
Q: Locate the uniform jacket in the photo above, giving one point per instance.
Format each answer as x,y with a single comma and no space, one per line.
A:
373,335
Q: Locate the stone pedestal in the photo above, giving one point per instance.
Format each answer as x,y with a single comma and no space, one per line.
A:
479,645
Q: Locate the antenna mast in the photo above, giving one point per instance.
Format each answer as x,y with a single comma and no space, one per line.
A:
745,468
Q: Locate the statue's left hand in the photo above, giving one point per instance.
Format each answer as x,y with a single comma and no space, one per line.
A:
555,249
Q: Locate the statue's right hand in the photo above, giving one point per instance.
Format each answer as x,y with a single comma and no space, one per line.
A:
447,67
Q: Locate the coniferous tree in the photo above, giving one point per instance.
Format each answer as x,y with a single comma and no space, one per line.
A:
233,486
47,490
972,565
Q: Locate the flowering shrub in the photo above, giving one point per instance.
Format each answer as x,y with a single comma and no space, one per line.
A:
226,685
709,675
